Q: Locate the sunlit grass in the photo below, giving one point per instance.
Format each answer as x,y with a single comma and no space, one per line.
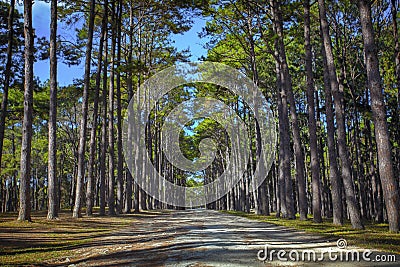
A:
375,236
27,243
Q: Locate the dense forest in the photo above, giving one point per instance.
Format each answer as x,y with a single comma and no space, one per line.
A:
329,69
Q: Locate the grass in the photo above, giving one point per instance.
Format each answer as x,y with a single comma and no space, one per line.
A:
36,242
374,236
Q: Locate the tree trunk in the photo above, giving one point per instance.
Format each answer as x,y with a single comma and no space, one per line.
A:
259,193
315,167
334,176
26,145
83,131
284,149
52,161
374,177
102,186
120,157
7,76
111,161
386,172
360,166
138,156
128,189
396,119
93,132
283,160
286,82
15,175
354,210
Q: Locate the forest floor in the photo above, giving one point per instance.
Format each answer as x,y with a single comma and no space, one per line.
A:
163,238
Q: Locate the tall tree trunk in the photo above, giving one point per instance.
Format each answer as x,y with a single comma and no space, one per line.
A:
120,157
111,160
52,161
334,176
7,75
2,196
26,145
138,171
315,167
386,172
284,156
376,183
360,166
286,82
396,120
15,174
354,210
93,132
283,160
128,190
83,131
258,193
103,149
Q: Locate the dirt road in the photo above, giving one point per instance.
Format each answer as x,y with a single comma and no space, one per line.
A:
209,238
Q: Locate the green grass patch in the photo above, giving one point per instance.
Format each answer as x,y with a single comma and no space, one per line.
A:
40,241
374,236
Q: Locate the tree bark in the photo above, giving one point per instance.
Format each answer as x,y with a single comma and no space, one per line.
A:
315,167
128,189
286,82
354,211
111,160
83,125
102,186
52,161
386,171
26,145
120,157
284,149
334,176
138,156
396,120
93,132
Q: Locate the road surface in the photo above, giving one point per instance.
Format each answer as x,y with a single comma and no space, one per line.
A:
210,238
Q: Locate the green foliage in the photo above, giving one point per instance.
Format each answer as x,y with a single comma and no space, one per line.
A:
18,42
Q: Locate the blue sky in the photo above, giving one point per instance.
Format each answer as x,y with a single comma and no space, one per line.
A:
41,23
191,40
